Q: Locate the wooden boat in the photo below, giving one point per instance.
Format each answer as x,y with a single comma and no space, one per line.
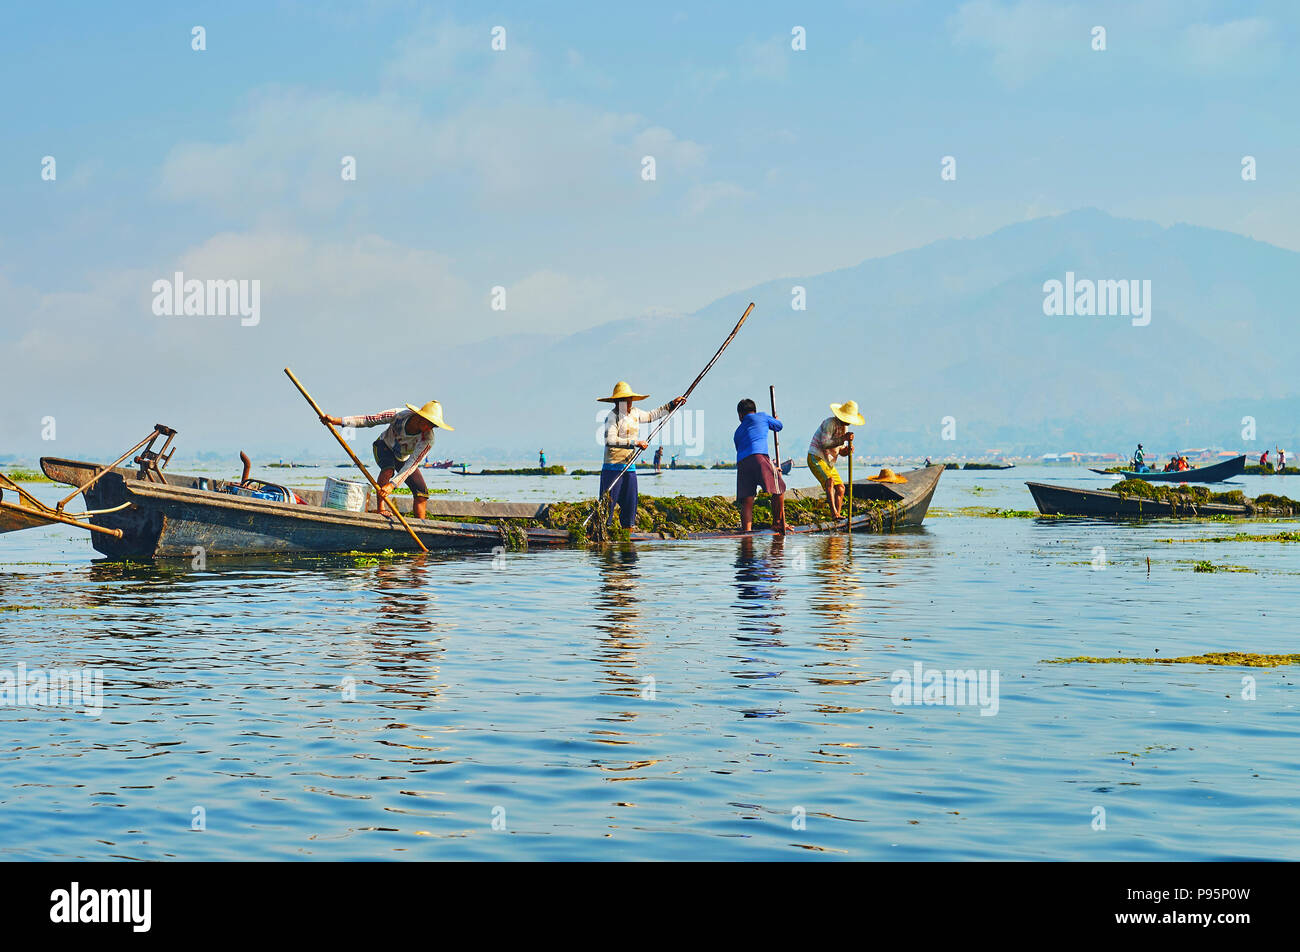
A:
439,464
1214,473
553,470
184,514
1065,501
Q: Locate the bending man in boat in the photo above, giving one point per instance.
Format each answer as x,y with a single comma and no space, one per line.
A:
406,440
825,447
622,439
754,469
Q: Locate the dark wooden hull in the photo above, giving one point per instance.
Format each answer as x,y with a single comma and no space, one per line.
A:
1216,473
1065,501
178,519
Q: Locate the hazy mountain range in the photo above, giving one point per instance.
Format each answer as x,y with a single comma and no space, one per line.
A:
953,329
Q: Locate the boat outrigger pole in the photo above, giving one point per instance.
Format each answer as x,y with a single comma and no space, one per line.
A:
360,465
30,512
669,415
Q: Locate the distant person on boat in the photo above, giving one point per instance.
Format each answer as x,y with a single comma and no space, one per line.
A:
622,440
407,439
1281,459
754,469
927,461
824,450
541,459
1263,459
1139,460
659,459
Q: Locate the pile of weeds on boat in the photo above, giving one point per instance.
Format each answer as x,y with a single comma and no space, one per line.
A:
1185,498
679,516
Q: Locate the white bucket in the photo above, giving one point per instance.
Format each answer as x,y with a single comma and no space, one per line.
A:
346,494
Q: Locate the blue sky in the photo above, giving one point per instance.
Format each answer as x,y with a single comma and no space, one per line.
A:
521,168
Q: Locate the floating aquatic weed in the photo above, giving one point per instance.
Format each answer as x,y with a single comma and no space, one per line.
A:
28,476
1185,499
1242,537
556,470
1225,658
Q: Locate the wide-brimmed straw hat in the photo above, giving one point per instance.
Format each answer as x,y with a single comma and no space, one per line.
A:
847,412
431,411
622,392
887,476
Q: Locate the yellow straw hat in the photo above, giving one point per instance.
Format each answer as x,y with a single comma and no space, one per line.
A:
622,392
431,411
848,412
887,476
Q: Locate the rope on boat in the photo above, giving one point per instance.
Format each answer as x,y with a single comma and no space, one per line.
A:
102,512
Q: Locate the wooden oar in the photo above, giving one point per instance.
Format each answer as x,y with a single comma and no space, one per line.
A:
668,416
360,465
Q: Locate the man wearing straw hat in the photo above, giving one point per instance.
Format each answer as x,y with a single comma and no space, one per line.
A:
622,440
406,440
824,450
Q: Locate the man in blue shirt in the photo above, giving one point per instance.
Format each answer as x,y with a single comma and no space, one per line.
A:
754,469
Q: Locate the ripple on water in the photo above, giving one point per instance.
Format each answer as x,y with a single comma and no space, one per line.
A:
684,700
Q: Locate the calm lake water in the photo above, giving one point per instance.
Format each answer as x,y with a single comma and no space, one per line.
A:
727,700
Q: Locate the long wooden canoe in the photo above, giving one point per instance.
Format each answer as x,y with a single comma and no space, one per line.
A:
1066,501
176,519
1214,473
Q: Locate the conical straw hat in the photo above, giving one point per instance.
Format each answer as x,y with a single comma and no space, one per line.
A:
431,411
622,392
848,412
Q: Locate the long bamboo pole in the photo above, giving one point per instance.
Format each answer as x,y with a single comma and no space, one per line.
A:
780,478
669,415
848,523
776,440
360,465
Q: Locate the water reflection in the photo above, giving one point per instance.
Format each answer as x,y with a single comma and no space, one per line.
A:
759,570
759,590
399,642
405,596
618,619
619,622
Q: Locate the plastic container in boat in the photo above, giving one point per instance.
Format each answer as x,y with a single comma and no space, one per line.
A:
348,494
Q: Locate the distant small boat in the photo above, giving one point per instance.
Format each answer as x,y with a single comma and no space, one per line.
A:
439,464
1214,473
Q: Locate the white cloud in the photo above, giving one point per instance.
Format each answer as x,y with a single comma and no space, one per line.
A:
526,153
766,59
709,195
1023,37
1238,43
549,301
